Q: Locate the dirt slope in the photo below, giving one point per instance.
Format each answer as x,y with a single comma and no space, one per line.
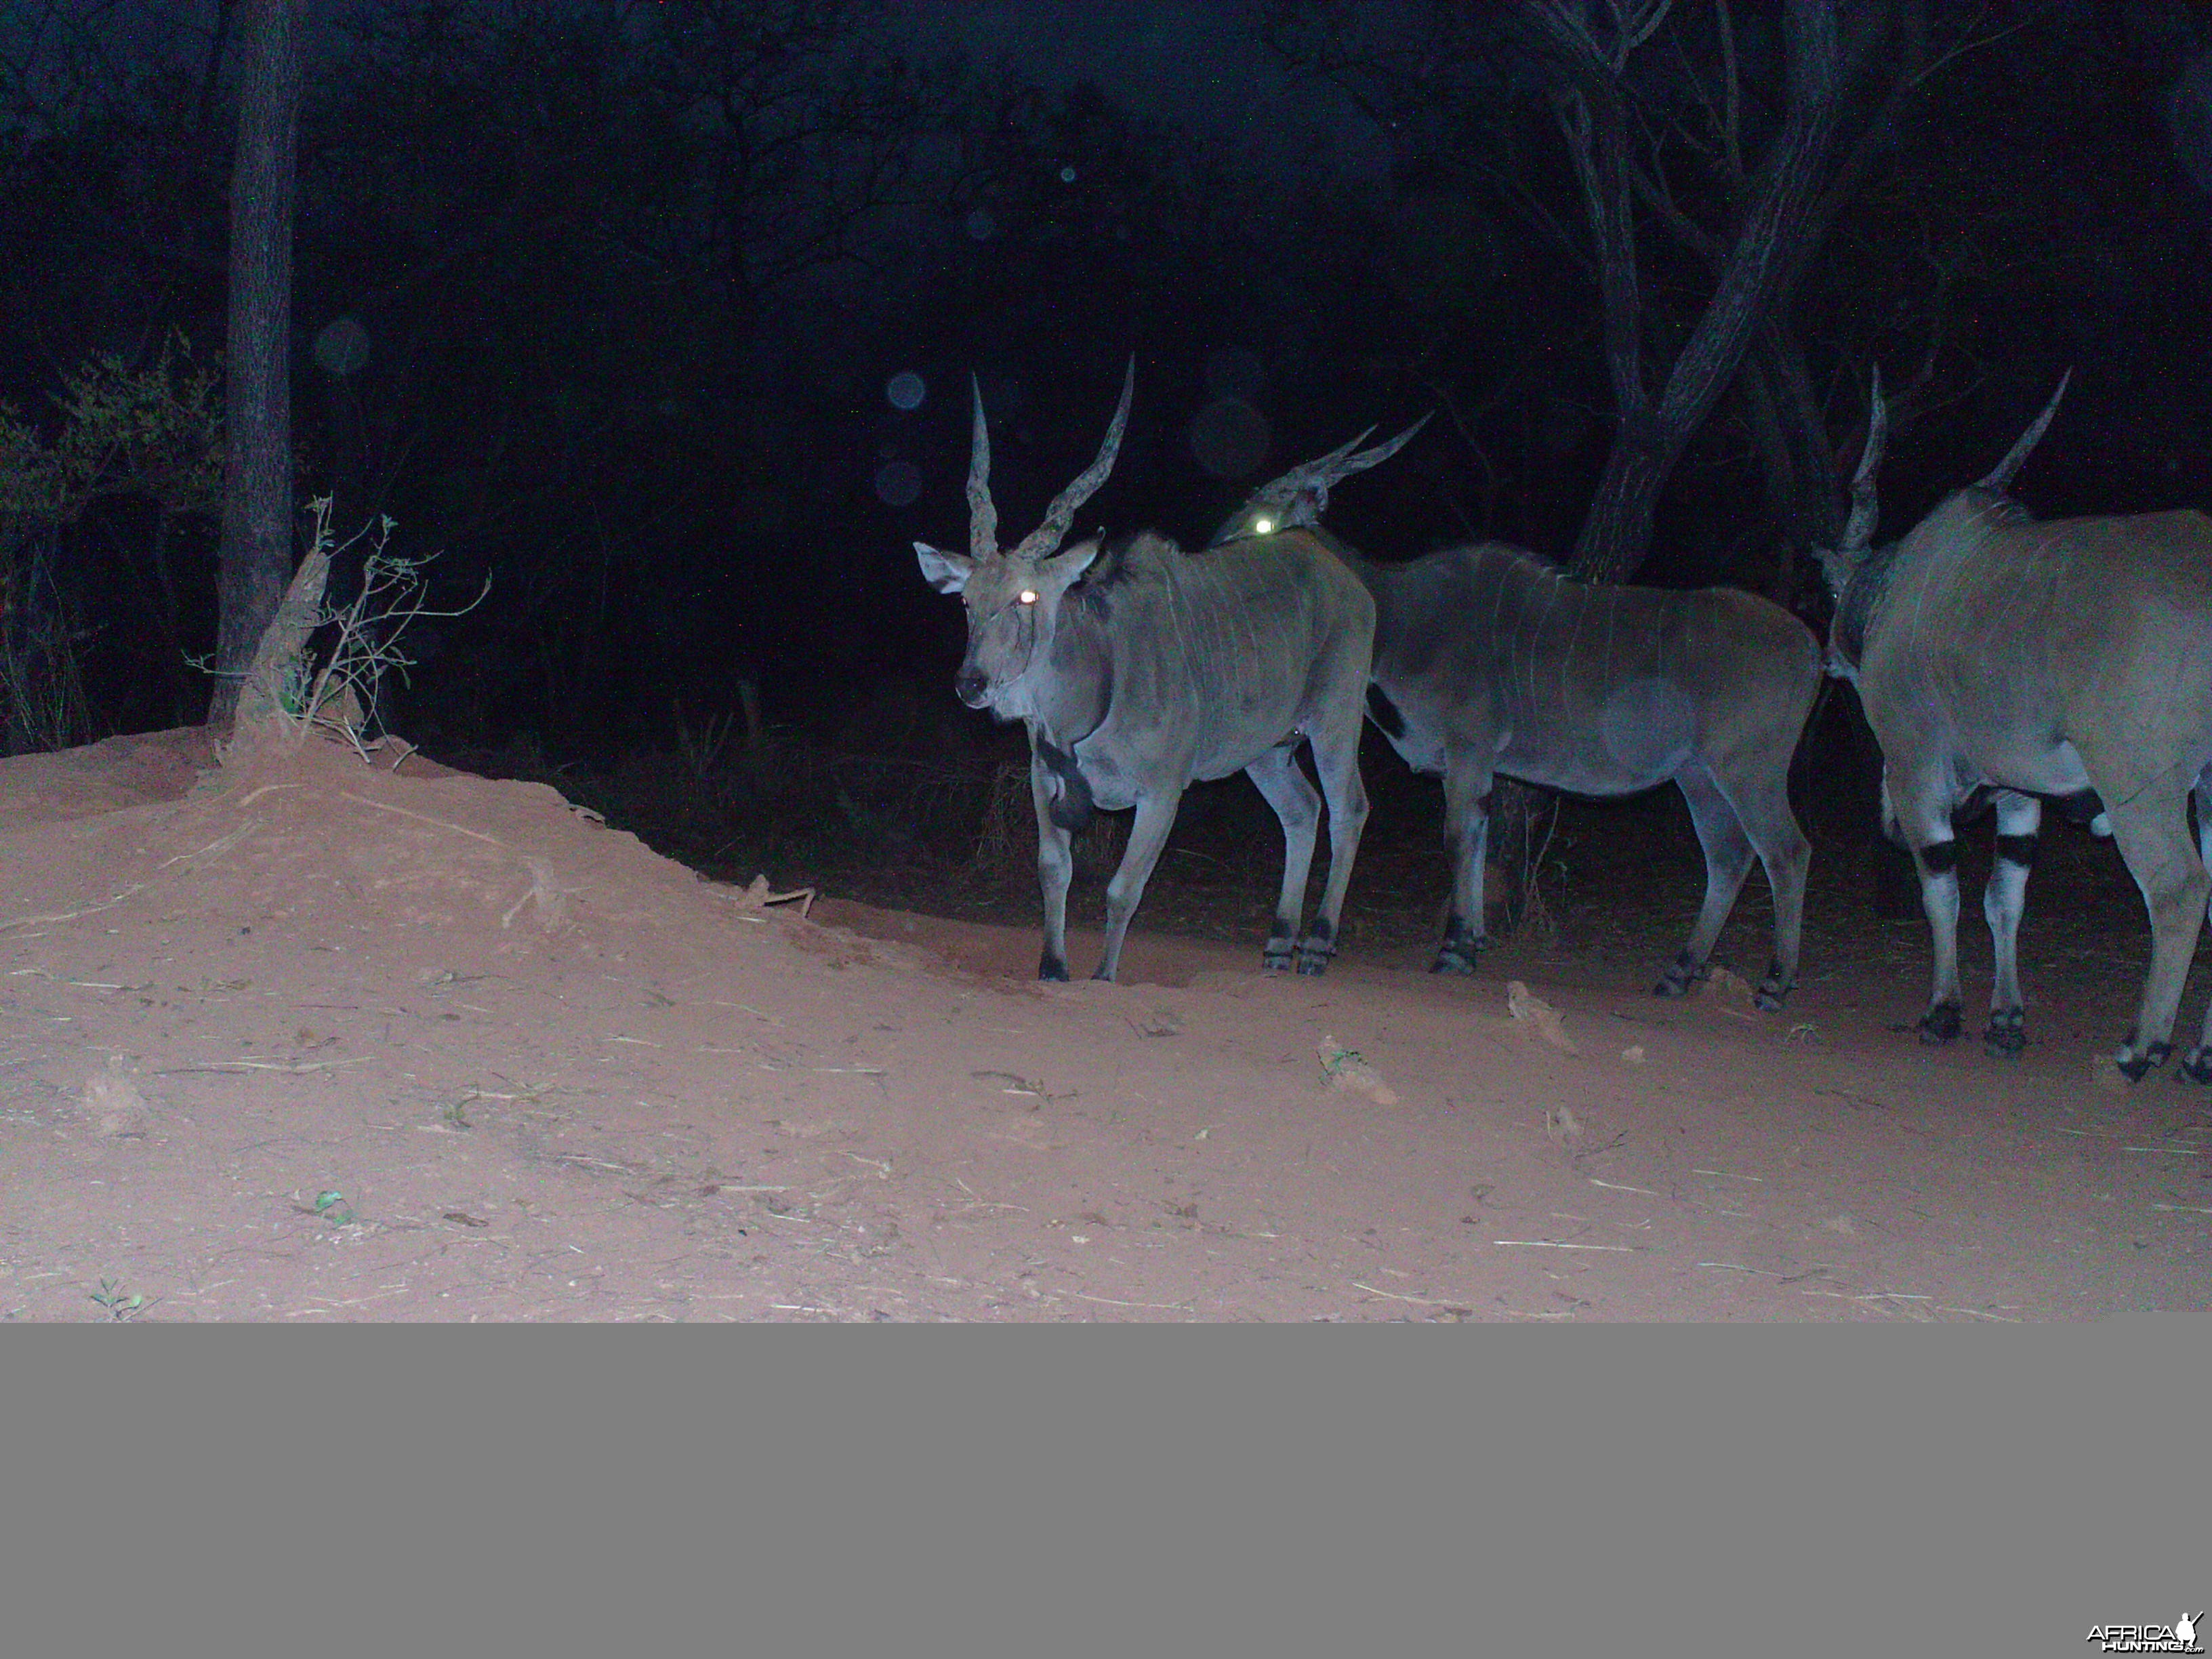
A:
532,1070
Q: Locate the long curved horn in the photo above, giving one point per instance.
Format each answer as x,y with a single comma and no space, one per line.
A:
1048,535
1858,532
1381,453
2001,479
1317,478
1322,469
982,517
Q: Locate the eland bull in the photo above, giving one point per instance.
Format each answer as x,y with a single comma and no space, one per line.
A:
1998,657
1488,660
1139,669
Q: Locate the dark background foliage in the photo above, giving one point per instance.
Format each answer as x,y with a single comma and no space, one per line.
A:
605,300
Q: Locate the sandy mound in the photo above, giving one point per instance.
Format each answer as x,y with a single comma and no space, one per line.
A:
311,1038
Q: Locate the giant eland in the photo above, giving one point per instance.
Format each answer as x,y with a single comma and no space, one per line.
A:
1139,668
1488,660
1997,654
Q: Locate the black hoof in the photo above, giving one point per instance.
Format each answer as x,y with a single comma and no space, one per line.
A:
1053,968
2196,1068
1461,951
2005,1038
1771,990
1940,1024
2133,1066
1681,974
1318,947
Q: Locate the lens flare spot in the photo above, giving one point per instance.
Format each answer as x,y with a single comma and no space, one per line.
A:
342,346
1233,372
1229,437
898,483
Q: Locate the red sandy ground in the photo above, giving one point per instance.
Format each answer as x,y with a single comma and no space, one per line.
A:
552,1075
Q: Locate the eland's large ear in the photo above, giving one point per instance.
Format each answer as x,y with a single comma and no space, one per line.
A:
947,572
1070,562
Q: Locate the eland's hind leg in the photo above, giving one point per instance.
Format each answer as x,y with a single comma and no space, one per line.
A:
1762,807
1468,780
1919,819
2152,830
2004,902
1284,785
1728,852
1336,759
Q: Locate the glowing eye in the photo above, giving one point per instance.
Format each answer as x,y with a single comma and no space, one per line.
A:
1028,596
1262,526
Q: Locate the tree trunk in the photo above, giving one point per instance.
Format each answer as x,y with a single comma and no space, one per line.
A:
1617,534
1804,487
1800,470
1759,267
1797,465
256,562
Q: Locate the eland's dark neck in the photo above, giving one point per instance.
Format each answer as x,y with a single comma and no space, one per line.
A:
1860,606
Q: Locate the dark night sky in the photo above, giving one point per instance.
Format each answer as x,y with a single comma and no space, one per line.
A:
1197,63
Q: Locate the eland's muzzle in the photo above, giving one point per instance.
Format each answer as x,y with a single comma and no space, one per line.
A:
971,687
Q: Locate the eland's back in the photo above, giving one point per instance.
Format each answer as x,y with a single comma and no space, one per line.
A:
2004,632
1215,656
1600,689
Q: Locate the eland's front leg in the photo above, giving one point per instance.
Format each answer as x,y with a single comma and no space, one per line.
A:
1155,816
1055,869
